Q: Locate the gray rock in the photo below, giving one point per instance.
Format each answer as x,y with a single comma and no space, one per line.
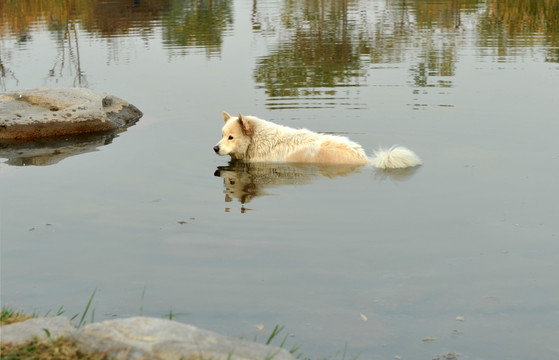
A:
447,356
39,113
22,332
142,338
151,338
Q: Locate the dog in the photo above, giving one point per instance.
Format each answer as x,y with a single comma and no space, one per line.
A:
251,139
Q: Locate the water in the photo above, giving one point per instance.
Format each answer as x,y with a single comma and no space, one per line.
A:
374,261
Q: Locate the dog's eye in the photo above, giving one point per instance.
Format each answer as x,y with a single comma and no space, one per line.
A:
230,137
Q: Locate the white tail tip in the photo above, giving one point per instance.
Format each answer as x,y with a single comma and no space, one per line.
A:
397,157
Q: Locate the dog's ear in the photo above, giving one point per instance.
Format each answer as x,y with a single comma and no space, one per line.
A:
246,125
226,116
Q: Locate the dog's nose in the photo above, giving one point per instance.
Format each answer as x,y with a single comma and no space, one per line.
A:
216,149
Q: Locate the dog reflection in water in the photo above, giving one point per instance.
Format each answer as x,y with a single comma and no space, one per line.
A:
245,181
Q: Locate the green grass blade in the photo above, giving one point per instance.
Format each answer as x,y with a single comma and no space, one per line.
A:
82,320
275,332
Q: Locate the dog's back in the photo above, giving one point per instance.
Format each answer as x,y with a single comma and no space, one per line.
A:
273,142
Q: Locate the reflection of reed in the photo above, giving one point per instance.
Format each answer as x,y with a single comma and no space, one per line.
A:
5,73
245,181
69,32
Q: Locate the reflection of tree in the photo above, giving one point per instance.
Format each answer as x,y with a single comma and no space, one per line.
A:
320,55
511,24
301,66
185,23
525,16
323,45
196,23
106,18
441,14
120,17
434,62
427,33
330,42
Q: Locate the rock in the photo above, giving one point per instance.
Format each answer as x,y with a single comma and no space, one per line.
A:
140,338
25,331
151,338
39,113
447,356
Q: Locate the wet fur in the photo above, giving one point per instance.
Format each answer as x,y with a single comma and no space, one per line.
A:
249,138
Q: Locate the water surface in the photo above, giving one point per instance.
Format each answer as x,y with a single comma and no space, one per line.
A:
377,261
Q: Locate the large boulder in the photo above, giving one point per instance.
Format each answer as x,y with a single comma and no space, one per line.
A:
38,113
143,338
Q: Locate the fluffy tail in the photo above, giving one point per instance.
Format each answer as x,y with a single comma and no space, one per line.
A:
397,157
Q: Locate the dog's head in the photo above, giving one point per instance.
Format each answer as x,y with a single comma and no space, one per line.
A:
237,136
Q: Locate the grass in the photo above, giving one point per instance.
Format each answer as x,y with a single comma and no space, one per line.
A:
172,315
275,332
82,320
294,349
47,349
10,316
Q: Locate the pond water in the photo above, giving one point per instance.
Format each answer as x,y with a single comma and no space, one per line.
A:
462,251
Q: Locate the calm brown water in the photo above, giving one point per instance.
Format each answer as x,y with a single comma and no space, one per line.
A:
377,262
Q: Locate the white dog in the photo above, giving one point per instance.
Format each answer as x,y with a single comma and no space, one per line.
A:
251,139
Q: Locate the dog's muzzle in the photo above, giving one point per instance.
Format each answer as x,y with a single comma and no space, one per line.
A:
216,149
